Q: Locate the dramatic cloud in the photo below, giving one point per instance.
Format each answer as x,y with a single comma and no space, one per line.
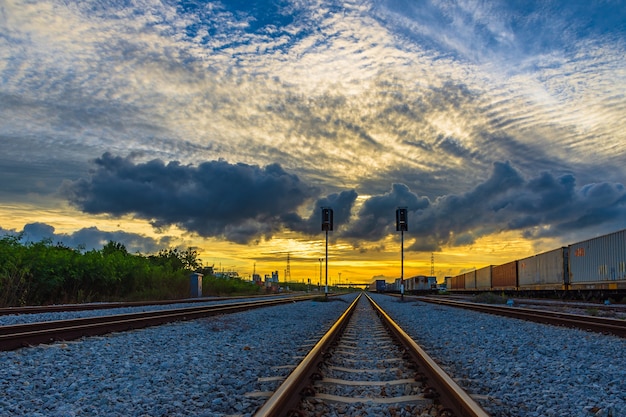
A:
236,201
244,203
376,219
541,206
88,238
316,103
341,203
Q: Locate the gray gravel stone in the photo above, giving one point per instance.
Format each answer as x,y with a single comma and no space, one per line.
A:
520,368
205,367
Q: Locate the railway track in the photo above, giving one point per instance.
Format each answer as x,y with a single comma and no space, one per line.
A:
367,365
22,335
591,323
4,311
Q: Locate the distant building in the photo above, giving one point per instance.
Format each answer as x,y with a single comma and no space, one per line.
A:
272,278
227,274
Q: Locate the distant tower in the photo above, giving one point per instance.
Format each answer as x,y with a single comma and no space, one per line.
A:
432,264
288,270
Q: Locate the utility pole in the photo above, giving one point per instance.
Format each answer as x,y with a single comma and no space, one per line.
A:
432,264
288,270
319,283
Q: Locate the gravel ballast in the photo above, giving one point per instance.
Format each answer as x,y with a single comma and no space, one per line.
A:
11,319
520,368
208,367
198,368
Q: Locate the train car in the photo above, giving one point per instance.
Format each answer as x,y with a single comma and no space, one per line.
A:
470,280
420,284
548,271
432,283
379,285
458,282
483,278
409,284
598,263
504,277
591,268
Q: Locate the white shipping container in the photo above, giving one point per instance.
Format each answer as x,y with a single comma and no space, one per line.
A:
601,259
545,270
470,280
483,278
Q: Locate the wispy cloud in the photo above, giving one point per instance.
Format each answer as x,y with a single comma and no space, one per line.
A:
333,99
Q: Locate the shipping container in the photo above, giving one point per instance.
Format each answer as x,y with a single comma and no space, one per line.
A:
432,283
470,280
545,271
504,277
408,284
380,285
419,283
599,263
483,278
458,282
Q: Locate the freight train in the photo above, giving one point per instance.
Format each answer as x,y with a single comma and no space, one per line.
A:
593,268
419,284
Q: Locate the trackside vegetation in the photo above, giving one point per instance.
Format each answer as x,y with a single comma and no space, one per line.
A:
45,273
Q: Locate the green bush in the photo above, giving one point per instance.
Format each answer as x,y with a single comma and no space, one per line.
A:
489,298
42,273
212,286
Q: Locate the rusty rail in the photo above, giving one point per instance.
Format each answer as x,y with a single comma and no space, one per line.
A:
22,335
589,323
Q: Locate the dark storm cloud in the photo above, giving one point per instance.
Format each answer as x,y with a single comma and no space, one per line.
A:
341,203
88,238
376,218
237,201
542,206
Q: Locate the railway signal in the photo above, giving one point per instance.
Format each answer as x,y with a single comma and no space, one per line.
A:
327,218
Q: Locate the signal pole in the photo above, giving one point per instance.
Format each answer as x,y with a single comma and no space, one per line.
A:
327,224
401,226
319,283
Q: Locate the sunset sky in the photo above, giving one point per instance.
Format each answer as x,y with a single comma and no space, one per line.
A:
225,126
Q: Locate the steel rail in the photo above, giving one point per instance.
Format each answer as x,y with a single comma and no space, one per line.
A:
286,397
590,323
55,308
22,335
451,394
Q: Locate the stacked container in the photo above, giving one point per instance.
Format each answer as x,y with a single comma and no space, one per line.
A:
470,280
504,277
546,271
599,263
483,278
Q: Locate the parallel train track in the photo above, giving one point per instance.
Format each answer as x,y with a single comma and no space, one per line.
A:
21,335
55,308
585,322
367,365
